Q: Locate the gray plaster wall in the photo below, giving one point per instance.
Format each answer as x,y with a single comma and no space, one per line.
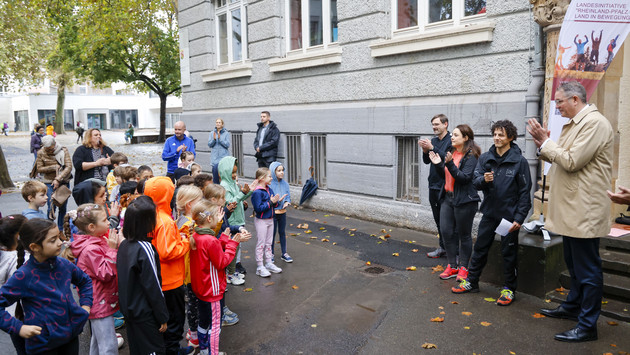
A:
362,104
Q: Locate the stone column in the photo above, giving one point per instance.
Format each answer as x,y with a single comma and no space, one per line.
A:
549,14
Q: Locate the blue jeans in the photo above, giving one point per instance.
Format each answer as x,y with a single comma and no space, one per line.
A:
62,209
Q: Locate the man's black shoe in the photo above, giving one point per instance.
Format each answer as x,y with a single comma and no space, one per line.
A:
577,335
559,313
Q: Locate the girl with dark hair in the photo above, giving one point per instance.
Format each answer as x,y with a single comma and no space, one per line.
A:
459,200
140,281
52,319
9,233
95,249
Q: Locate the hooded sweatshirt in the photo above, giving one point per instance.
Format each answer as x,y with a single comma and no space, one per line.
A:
166,238
98,260
232,192
46,294
280,187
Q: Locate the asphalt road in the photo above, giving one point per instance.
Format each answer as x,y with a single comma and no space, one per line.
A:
329,301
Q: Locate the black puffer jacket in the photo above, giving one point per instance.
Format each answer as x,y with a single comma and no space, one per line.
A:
269,147
508,196
464,191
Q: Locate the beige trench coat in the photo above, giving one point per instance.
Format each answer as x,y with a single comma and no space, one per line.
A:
580,175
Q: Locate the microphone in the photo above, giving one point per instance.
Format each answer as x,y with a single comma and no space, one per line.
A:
488,168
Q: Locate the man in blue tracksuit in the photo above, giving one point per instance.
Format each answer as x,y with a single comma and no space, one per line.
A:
503,175
174,146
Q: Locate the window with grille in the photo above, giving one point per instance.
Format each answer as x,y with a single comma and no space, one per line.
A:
237,150
408,184
318,159
293,164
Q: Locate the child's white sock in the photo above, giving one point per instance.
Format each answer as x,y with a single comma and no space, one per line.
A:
193,335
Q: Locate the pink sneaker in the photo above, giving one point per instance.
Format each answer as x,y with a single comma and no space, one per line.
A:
449,273
462,274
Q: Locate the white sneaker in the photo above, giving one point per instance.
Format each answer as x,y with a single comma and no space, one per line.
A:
239,275
235,280
120,340
273,268
262,271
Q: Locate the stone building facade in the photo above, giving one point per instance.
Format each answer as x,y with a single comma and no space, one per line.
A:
353,88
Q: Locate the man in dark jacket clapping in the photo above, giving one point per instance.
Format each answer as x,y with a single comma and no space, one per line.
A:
503,175
266,141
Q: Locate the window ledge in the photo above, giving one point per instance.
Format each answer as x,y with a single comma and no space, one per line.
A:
456,36
306,60
228,71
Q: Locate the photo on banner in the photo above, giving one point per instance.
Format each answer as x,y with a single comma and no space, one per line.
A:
592,33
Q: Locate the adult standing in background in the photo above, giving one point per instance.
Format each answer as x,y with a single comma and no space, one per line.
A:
266,142
55,166
92,158
220,142
579,208
79,131
440,144
36,140
129,133
174,146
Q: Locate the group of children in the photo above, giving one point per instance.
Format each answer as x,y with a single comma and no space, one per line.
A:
132,253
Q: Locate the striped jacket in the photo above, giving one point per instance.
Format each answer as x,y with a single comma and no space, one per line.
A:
207,266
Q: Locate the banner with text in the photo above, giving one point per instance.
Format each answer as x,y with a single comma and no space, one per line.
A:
592,33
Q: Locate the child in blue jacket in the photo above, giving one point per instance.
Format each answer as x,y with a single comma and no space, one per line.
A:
281,187
264,202
52,320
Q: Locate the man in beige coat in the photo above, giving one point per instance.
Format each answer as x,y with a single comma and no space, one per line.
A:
579,208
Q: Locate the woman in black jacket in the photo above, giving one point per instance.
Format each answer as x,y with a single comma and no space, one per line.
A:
459,200
92,159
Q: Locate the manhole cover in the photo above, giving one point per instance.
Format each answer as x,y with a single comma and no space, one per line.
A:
374,270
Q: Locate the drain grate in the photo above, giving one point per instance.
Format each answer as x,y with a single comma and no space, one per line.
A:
374,270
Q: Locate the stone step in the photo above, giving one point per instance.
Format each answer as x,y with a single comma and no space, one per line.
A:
616,262
610,307
615,286
616,243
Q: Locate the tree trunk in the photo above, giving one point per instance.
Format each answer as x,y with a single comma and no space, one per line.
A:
5,179
162,136
61,98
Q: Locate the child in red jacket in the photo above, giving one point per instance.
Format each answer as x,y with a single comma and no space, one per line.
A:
207,271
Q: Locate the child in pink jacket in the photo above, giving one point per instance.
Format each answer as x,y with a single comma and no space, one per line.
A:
96,256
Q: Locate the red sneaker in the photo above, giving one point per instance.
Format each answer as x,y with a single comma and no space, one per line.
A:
449,273
462,274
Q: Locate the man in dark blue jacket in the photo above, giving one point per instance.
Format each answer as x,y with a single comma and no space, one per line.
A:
266,141
439,144
502,174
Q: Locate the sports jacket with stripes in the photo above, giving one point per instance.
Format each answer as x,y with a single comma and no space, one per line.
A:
207,266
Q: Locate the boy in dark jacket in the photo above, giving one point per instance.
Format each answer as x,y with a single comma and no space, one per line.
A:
502,174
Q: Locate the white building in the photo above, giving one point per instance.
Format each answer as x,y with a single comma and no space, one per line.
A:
113,107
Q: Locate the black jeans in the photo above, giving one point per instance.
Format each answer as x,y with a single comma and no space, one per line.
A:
434,201
279,225
509,251
176,304
456,227
144,337
69,348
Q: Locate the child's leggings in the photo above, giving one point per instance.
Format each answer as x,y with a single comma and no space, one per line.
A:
280,224
192,309
264,233
104,339
209,329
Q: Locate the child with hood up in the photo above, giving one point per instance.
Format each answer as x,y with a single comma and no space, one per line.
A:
281,187
228,167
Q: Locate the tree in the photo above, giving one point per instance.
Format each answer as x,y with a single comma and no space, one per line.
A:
133,41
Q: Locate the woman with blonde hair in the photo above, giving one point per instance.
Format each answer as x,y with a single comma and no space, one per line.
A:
219,142
92,159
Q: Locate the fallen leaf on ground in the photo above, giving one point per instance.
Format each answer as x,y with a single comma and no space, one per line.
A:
466,328
269,283
352,234
334,243
325,240
347,218
429,346
489,299
247,256
604,302
467,313
316,220
342,228
249,289
441,307
307,243
352,229
486,324
612,323
379,242
442,312
326,215
314,210
548,301
291,225
414,250
454,302
512,353
613,345
293,234
411,268
387,236
313,237
308,231
538,315
295,287
321,228
383,231
437,319
368,263
313,325
438,268
560,289
395,254
382,238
